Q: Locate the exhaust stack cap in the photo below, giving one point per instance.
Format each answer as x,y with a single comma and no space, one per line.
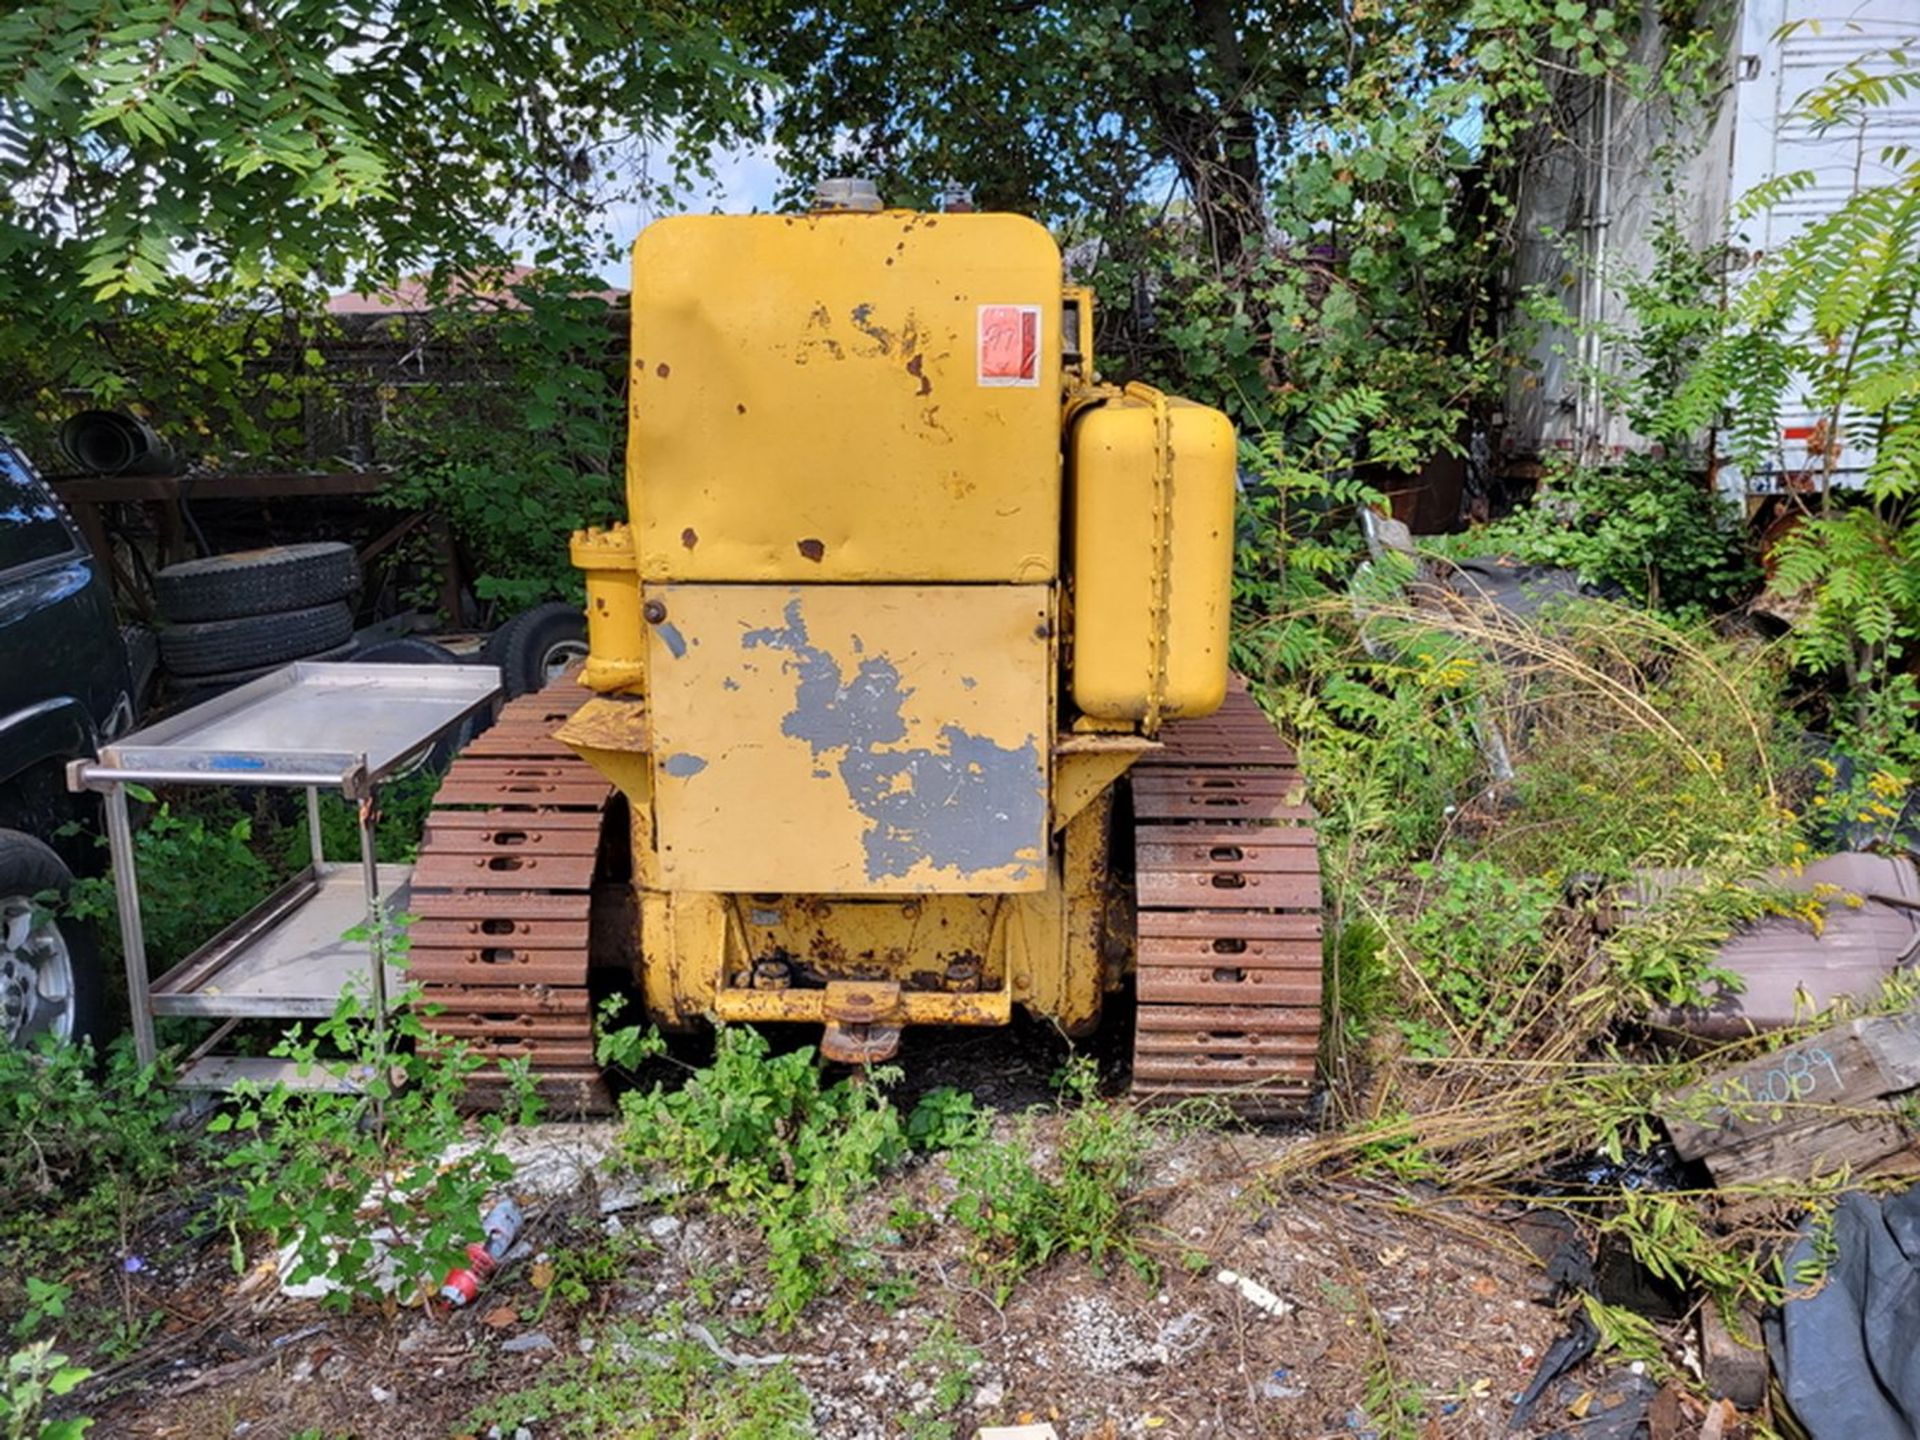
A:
845,192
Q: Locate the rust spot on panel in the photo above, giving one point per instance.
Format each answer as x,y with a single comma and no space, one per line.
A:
812,550
740,409
663,369
689,537
916,367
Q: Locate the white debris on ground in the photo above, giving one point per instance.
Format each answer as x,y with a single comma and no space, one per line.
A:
1101,1338
554,1159
1255,1294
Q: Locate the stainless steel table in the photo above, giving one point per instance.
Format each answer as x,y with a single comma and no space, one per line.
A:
312,726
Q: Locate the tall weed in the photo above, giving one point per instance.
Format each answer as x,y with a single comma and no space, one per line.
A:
761,1136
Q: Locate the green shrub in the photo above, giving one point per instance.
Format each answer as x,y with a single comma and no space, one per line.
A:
528,448
759,1135
199,870
1021,1216
1654,528
1478,942
33,1377
69,1121
388,1150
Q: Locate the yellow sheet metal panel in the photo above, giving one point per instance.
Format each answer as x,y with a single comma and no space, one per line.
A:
1152,482
850,739
846,397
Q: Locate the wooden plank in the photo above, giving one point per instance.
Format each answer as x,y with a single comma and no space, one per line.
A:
1214,807
1229,888
1856,1144
1277,848
1822,1078
1198,985
1226,925
504,870
1238,952
120,489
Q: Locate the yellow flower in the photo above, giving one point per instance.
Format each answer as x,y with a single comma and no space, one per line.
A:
1886,786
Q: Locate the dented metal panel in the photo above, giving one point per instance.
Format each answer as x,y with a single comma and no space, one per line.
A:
847,397
850,739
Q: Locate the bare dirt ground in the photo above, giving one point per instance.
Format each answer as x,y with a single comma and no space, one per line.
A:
1096,1354
1418,1319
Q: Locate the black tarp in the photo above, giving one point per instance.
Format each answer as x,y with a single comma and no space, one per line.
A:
1848,1353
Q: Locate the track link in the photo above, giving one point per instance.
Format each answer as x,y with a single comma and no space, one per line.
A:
503,888
1227,874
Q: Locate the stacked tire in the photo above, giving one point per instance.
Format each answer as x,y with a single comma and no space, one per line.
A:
233,618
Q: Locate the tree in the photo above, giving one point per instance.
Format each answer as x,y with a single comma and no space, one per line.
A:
239,152
1275,200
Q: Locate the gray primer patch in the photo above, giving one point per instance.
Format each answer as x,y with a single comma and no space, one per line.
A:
683,766
970,804
671,637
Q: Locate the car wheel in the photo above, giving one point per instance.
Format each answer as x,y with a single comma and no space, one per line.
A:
538,647
49,965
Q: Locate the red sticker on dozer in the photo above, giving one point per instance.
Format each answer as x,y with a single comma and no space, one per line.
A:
1009,344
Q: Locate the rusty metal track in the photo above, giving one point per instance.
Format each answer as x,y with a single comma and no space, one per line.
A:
1227,877
503,888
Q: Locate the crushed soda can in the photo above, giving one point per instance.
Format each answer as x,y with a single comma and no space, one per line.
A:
500,1227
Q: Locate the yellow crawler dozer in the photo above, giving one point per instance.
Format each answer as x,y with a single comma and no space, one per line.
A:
908,699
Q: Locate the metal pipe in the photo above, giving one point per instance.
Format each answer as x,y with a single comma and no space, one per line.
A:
93,777
133,938
1590,422
376,922
315,844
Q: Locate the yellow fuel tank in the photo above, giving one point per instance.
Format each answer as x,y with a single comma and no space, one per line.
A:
1152,482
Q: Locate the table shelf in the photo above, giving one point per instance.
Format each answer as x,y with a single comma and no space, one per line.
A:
312,726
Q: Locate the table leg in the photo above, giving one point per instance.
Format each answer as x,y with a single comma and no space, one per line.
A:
376,921
133,939
315,844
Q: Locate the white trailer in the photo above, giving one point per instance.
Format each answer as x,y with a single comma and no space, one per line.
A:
1588,207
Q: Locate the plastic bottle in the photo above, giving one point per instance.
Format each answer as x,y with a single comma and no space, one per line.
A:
500,1227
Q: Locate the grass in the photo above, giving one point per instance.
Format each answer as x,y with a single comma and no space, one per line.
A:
655,1383
1483,1016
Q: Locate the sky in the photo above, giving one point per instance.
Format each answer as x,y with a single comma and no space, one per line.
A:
745,178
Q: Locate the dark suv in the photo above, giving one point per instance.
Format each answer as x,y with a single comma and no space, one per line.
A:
65,686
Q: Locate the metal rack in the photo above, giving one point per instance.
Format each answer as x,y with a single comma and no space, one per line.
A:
310,726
